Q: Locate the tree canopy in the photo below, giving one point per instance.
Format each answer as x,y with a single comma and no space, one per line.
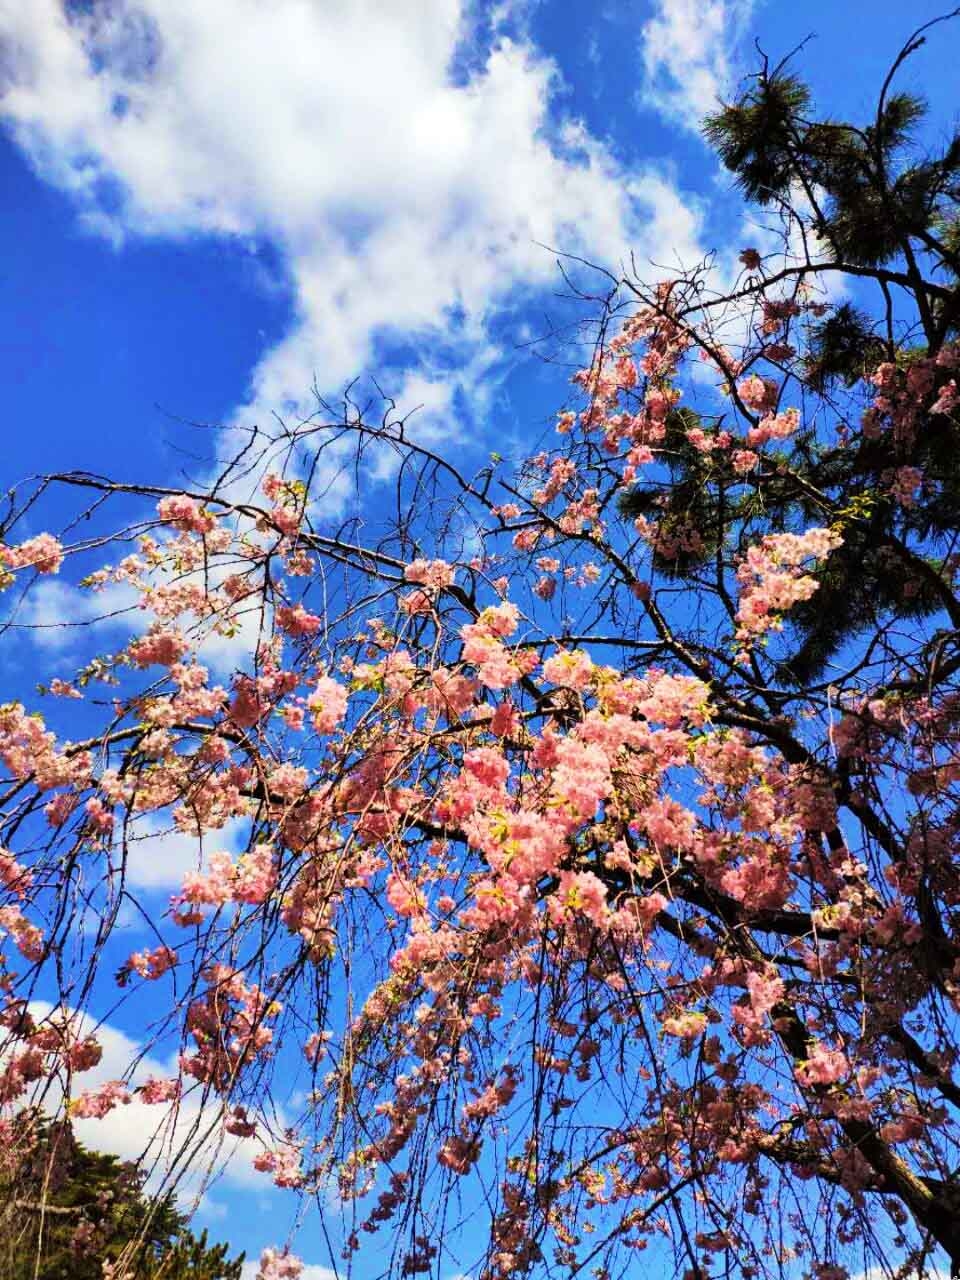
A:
67,1213
601,815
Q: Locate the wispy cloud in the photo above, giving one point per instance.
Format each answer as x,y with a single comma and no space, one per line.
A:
688,52
158,856
55,615
61,619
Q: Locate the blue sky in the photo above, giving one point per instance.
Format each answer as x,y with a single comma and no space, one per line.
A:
238,231
206,207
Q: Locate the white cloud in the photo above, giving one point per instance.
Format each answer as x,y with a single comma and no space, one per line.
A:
155,1134
53,614
406,195
875,1273
310,1272
687,50
58,617
159,856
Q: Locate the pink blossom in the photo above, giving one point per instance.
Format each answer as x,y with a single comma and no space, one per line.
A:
152,964
63,689
155,1091
94,1104
505,722
416,602
296,621
185,513
434,574
905,484
43,553
759,394
685,1024
160,645
579,893
405,898
823,1066
13,875
99,817
278,1266
84,1055
327,704
770,578
27,937
459,1154
669,824
946,401
672,700
581,777
239,1124
284,1163
573,668
774,427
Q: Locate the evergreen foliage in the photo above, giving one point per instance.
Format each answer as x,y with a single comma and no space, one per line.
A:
880,209
67,1211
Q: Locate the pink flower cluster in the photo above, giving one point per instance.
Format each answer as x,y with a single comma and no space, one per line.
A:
771,580
327,704
251,879
228,1024
288,498
296,621
160,646
28,749
433,574
823,1066
704,443
27,937
278,1266
284,1162
497,666
778,426
758,394
94,1104
744,461
904,485
579,893
43,553
185,513
13,875
572,668
152,964
155,1092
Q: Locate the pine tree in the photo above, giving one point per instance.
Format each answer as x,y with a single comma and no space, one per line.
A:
67,1211
882,211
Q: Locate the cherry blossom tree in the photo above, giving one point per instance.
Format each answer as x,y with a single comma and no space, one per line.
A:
600,812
